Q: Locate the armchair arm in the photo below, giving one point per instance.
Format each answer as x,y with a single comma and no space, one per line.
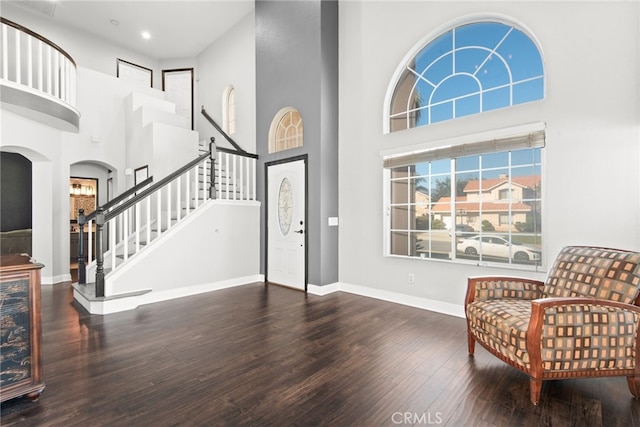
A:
501,287
582,334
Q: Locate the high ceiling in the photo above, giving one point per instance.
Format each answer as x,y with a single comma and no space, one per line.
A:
178,28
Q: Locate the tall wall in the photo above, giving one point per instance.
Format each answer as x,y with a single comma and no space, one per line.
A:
230,60
296,66
591,172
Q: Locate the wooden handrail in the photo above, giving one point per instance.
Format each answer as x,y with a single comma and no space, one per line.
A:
237,153
219,129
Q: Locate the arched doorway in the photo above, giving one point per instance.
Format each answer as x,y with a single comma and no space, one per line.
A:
15,204
89,187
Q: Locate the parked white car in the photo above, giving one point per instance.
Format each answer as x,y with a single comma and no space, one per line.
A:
496,246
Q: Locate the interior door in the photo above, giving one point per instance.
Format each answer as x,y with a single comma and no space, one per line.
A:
286,224
178,85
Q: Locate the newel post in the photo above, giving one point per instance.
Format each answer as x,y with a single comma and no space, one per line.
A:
82,271
99,253
212,158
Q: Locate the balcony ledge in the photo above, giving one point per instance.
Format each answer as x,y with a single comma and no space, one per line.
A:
39,106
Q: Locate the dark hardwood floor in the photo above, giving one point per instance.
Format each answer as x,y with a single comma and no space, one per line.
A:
262,356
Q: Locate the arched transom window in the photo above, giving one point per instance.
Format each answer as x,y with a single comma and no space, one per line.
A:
286,131
469,69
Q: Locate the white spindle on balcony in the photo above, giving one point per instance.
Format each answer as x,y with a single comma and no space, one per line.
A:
5,52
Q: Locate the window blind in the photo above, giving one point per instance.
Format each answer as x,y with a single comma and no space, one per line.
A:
535,139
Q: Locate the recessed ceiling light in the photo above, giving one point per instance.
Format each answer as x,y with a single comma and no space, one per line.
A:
146,35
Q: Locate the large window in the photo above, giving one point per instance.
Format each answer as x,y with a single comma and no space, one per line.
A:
469,69
478,203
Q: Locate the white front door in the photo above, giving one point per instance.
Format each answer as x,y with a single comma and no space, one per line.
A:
178,85
286,224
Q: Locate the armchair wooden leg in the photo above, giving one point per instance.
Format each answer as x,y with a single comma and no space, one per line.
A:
634,385
535,389
471,342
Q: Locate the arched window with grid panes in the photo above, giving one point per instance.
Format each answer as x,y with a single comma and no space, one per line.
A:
229,110
468,69
286,130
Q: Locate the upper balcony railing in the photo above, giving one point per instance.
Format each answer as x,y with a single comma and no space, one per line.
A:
35,66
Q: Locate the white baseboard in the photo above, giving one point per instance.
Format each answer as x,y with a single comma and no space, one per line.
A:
52,280
409,300
157,296
116,304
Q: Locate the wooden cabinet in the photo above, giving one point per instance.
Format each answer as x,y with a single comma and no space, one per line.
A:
21,328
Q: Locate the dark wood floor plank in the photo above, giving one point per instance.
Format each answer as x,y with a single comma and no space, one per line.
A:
261,355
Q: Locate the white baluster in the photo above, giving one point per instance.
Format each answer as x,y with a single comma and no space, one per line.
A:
40,62
72,100
90,241
113,231
219,180
187,192
242,161
253,179
148,219
234,176
178,198
137,226
63,78
169,213
227,172
56,74
196,187
5,53
159,212
29,62
18,61
49,71
125,240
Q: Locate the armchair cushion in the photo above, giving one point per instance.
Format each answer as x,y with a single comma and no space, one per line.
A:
588,336
607,274
502,326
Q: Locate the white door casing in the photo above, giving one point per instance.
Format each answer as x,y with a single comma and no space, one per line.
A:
286,224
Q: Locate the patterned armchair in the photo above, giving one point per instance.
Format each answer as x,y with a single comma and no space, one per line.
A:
581,322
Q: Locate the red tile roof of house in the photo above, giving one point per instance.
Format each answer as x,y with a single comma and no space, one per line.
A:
487,184
444,205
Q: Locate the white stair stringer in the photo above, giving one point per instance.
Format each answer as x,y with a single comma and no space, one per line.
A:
215,247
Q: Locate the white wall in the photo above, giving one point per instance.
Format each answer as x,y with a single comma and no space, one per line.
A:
230,60
219,243
591,170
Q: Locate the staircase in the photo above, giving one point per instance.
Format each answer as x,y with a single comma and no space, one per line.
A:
190,198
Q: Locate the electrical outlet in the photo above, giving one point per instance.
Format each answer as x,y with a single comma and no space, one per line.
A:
412,278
